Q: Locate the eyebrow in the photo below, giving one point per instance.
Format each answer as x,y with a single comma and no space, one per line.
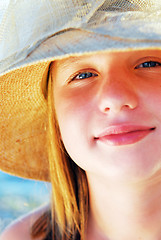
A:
68,61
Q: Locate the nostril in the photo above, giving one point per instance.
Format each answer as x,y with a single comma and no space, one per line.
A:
126,105
106,109
115,100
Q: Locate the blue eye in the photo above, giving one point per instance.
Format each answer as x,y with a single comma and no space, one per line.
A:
85,75
149,64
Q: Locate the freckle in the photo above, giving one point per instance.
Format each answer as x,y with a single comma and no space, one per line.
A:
18,140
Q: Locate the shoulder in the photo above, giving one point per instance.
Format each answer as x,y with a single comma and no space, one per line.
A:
20,229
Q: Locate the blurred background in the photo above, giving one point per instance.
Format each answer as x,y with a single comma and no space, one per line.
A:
19,196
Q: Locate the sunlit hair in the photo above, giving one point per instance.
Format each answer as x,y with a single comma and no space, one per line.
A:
69,182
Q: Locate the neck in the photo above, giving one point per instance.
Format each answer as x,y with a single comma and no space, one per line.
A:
123,210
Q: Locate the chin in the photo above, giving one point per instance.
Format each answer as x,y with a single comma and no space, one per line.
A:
125,172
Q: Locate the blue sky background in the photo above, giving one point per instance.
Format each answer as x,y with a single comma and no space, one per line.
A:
19,196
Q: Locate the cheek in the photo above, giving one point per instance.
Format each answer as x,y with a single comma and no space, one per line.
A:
75,104
150,97
74,113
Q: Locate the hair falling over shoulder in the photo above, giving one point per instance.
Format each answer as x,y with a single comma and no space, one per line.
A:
70,203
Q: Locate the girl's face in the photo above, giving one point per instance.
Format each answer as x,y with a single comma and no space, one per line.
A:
108,107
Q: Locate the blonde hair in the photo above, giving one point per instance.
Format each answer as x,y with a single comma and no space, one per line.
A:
69,183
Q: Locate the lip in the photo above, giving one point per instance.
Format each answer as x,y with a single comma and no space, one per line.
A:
123,134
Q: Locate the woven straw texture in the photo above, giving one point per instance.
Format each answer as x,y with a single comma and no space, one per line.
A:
34,33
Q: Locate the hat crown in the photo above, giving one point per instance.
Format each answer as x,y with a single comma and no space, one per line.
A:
26,23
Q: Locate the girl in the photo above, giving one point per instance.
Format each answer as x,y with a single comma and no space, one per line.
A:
91,121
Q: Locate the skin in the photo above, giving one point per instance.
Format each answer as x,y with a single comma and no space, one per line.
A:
92,93
124,181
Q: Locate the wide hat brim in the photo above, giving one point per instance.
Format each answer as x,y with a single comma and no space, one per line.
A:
23,112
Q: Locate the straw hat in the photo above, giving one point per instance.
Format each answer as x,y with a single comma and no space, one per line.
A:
34,33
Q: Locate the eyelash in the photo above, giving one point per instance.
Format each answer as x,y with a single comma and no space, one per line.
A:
87,74
148,64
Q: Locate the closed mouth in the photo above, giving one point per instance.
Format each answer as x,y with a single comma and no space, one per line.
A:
124,134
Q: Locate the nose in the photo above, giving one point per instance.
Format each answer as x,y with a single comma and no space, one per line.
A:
117,95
